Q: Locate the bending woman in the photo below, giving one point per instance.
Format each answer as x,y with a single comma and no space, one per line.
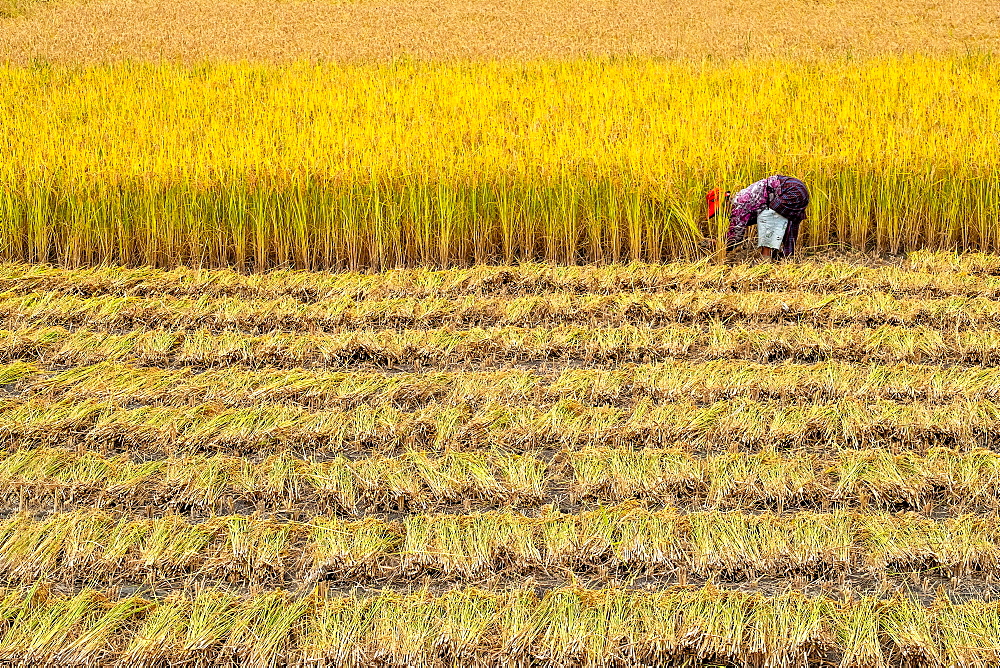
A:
778,206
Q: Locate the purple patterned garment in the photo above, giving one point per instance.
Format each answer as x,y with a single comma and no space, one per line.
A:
784,194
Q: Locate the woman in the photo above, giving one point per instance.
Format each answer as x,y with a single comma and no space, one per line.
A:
777,205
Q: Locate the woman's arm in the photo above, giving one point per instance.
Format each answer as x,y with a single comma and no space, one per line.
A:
737,227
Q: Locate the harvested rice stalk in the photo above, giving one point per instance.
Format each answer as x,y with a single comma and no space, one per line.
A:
910,627
353,549
156,637
736,424
258,548
262,629
36,637
715,623
787,630
856,629
469,545
619,473
100,638
969,633
93,546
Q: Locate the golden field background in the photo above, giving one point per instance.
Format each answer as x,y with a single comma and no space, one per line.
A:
75,31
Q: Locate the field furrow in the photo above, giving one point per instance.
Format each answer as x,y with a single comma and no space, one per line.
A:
566,625
942,479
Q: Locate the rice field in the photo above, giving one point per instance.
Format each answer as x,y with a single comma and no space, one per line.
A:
686,463
374,165
395,333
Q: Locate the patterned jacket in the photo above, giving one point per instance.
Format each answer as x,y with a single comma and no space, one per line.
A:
784,194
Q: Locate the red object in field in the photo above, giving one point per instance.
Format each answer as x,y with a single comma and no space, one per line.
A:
712,197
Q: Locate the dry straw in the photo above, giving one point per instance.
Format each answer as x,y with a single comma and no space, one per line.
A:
629,540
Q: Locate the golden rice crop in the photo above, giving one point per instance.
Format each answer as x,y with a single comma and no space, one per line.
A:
472,29
376,165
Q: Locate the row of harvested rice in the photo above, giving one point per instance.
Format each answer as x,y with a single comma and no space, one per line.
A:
922,273
421,348
677,380
56,478
115,549
737,424
570,626
113,313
